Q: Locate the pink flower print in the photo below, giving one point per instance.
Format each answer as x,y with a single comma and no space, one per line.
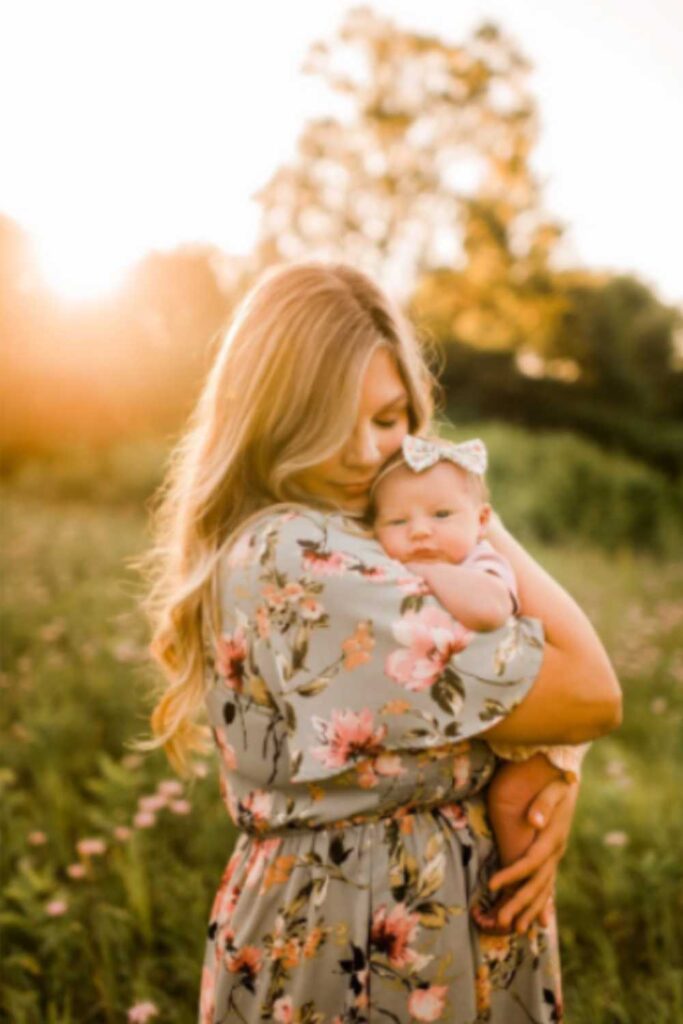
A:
207,1005
373,572
227,750
413,586
454,814
254,809
259,856
311,610
231,652
389,765
366,775
275,596
428,1004
246,961
462,767
392,933
283,1010
325,563
430,638
262,622
347,737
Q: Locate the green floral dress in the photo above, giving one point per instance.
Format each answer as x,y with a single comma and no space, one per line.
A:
346,705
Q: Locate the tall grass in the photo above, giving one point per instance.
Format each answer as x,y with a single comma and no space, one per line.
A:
91,929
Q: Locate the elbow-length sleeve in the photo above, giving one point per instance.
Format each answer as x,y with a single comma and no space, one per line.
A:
359,658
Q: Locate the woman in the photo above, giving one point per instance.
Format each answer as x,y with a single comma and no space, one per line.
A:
349,709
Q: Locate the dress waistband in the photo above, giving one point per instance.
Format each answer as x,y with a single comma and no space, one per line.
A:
356,820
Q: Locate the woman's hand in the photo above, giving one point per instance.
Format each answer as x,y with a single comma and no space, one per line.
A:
555,804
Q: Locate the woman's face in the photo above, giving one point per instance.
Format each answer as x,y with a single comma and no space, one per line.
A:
381,425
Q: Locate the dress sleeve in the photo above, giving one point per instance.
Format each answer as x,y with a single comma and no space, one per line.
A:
485,558
568,758
359,658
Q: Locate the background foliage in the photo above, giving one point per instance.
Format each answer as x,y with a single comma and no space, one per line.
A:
573,378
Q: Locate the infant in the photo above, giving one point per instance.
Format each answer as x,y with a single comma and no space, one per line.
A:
429,508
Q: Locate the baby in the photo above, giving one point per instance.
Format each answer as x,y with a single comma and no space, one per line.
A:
429,508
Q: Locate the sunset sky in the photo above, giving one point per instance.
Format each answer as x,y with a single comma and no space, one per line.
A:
129,124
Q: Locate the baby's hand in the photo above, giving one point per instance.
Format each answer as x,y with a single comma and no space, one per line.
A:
422,569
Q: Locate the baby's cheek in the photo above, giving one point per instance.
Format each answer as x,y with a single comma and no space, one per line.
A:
391,543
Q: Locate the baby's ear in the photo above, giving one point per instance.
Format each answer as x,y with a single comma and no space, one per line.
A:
484,516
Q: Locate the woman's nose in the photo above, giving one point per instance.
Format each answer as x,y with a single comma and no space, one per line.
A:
363,449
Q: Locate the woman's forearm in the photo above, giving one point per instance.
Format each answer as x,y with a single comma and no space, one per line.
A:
579,697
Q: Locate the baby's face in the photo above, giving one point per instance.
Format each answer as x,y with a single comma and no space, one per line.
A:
428,516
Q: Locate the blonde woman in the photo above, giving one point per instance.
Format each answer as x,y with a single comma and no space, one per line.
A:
349,710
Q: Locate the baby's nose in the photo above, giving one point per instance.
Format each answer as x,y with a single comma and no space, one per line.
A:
420,528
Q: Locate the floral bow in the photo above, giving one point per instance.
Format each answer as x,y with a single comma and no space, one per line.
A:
422,452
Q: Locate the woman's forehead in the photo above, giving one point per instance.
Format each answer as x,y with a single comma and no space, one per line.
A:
382,383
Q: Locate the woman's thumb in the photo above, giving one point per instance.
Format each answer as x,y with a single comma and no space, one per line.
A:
542,806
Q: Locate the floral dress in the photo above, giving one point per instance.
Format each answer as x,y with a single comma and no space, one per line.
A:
346,704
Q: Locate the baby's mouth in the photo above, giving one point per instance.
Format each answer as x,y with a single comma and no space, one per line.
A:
425,555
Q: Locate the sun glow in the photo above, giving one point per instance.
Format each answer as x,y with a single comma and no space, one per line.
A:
81,265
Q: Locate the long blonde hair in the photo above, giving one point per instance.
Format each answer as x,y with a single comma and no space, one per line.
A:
281,396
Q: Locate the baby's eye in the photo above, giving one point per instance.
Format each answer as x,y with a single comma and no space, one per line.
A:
443,513
396,522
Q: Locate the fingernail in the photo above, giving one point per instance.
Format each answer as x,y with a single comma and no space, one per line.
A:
538,818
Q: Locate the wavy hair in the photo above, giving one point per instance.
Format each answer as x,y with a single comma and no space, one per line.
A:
304,332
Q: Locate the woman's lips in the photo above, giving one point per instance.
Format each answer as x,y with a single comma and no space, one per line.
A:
357,488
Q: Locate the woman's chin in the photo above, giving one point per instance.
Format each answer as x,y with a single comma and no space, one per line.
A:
354,504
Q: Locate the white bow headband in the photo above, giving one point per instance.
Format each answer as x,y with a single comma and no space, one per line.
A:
421,453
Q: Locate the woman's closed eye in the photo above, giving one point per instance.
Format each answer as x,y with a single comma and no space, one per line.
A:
386,424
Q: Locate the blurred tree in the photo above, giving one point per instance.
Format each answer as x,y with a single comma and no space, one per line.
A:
124,365
622,338
428,177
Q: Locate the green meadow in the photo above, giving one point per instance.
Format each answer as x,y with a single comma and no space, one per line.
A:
110,864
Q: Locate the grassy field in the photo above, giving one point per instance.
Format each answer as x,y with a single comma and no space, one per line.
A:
109,865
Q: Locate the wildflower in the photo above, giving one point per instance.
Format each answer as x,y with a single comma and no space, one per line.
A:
181,806
76,870
91,847
37,838
122,832
140,1013
56,907
170,787
131,761
201,769
154,802
144,819
615,839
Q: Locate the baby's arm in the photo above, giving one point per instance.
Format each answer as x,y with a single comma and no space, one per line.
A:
479,600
